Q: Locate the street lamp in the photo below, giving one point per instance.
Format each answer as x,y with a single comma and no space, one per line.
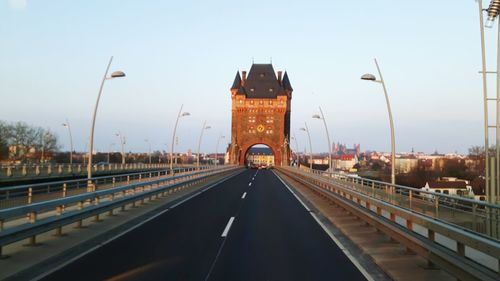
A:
217,149
70,141
322,117
371,77
116,74
181,114
122,143
205,127
306,129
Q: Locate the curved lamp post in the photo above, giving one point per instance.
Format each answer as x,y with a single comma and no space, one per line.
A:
67,125
116,74
306,129
181,114
217,149
371,77
205,127
322,117
122,143
149,144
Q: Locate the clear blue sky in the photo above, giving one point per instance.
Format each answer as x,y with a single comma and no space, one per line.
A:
53,54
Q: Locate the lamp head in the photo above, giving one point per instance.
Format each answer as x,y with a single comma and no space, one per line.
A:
316,116
185,114
493,11
117,74
303,129
208,127
369,77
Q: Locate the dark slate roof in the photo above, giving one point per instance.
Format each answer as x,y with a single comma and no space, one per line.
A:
241,91
260,151
286,83
237,81
262,82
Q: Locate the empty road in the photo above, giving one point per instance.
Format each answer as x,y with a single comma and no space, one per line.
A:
249,227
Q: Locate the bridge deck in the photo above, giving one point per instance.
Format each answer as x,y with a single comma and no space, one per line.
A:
272,237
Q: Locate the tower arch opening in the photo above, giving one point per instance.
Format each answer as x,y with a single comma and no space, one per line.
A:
259,156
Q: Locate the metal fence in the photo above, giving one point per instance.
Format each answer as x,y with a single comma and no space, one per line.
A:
473,215
47,170
33,193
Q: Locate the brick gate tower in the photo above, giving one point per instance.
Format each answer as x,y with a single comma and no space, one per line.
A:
260,113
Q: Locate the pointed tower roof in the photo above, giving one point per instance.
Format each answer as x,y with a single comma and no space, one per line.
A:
237,81
286,82
241,91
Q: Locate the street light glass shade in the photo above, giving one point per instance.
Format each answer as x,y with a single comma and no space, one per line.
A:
316,116
117,74
185,114
303,129
369,77
489,22
208,127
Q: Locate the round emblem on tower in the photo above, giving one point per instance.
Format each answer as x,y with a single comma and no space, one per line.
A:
260,128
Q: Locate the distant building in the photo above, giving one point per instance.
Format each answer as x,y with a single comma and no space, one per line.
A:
450,186
260,156
405,165
344,162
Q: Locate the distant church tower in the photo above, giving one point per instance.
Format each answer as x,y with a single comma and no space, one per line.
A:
261,106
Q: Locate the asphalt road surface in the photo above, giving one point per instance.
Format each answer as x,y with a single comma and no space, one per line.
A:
249,227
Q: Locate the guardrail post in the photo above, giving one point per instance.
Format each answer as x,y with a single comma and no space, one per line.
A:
24,172
59,210
37,170
128,179
460,249
9,171
474,218
79,224
30,195
436,204
60,169
49,170
1,227
410,196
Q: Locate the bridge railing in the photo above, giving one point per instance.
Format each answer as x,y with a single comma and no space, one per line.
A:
474,215
469,254
33,193
47,170
28,221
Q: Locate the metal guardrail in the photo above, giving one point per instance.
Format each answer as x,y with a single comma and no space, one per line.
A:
54,214
46,170
31,193
466,253
473,215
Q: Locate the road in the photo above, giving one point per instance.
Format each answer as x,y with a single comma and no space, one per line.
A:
249,227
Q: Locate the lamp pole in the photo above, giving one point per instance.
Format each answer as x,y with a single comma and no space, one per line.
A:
122,143
371,77
205,127
181,114
322,117
306,129
217,149
116,74
67,125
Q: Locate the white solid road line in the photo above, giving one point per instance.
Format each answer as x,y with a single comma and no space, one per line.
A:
228,226
244,195
339,244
